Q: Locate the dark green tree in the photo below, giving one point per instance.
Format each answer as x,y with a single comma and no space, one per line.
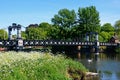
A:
89,19
54,32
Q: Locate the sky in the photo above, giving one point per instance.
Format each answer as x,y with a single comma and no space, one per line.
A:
27,12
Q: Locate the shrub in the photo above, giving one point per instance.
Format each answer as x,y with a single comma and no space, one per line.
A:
36,66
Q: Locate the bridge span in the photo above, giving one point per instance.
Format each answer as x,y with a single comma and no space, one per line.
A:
20,42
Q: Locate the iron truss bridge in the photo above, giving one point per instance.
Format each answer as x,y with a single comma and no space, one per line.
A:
8,43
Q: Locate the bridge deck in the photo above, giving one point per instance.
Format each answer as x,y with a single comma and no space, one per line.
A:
7,43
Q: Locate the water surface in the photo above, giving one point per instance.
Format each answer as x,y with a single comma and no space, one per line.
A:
108,68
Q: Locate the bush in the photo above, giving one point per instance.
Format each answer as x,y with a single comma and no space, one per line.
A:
36,66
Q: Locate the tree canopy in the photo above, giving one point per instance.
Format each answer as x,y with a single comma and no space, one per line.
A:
38,32
70,27
64,21
65,18
89,19
107,31
107,27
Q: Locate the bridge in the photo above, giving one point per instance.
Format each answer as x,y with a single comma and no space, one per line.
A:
19,43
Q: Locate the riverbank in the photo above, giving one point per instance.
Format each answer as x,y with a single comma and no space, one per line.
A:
39,66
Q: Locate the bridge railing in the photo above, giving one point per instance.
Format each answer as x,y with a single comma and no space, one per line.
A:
107,44
53,42
5,43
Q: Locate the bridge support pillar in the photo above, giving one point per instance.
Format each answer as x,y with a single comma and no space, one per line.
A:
96,47
9,33
78,52
19,32
19,45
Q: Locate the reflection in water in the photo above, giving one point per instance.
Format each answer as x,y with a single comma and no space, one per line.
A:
108,68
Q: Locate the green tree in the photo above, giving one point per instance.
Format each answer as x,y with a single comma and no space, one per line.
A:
89,19
117,28
38,32
3,34
65,18
105,36
35,33
24,35
107,27
64,21
46,27
54,32
107,31
101,39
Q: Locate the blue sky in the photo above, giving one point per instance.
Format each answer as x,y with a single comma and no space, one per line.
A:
27,12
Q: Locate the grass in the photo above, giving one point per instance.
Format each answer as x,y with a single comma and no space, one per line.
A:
38,66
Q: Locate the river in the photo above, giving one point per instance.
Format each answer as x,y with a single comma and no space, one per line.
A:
107,67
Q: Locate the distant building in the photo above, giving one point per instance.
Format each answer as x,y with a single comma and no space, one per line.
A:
114,39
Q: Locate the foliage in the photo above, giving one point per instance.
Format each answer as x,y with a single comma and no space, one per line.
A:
54,33
40,32
105,35
65,18
76,32
45,25
117,28
71,28
23,34
89,19
36,66
107,31
67,25
117,24
107,27
64,21
46,28
34,33
101,39
3,34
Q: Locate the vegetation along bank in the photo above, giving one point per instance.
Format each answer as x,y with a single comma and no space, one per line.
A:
39,66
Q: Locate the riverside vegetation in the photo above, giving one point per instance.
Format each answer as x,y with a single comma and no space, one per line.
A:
39,66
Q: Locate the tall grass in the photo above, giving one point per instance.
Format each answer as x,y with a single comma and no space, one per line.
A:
36,66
